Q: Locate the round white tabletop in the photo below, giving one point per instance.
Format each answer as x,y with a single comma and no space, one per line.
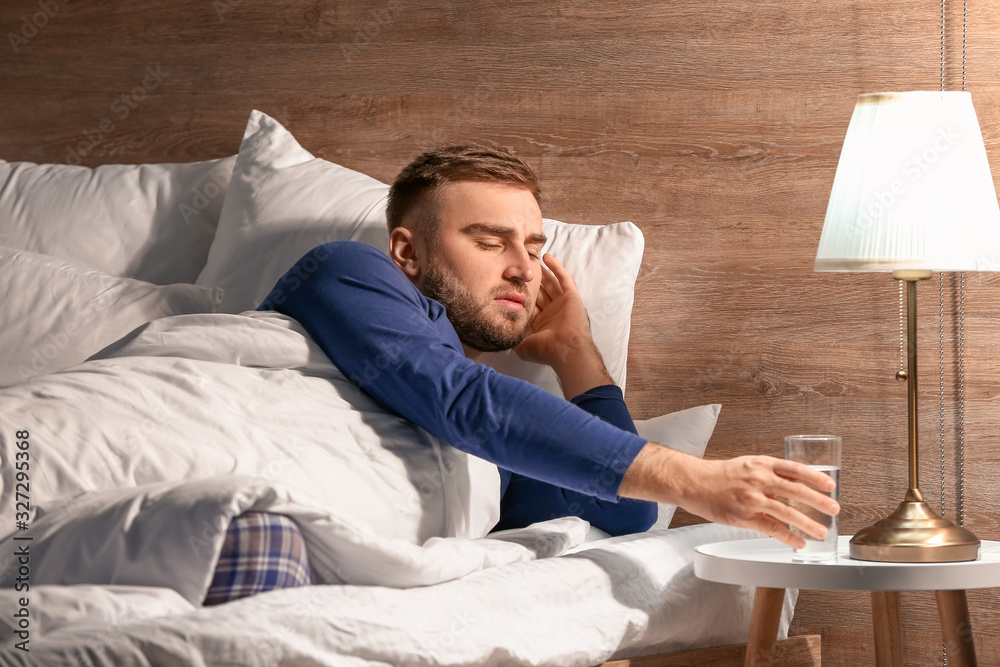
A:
767,562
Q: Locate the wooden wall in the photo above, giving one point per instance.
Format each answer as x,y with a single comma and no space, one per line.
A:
716,127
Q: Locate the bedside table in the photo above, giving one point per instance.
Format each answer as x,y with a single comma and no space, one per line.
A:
767,564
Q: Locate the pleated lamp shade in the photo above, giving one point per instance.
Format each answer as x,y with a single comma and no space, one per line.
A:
913,189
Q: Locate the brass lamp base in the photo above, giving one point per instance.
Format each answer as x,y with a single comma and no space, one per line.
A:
914,533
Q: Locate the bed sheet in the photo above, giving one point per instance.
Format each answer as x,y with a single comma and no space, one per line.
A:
612,598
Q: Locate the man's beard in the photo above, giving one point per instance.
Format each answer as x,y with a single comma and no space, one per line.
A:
469,318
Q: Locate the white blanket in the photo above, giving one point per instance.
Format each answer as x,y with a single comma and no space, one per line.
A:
197,418
139,458
620,597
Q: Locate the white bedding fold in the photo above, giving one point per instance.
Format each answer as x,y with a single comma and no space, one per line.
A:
199,399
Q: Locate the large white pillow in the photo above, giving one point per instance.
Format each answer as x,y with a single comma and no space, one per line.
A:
282,203
152,222
687,431
55,315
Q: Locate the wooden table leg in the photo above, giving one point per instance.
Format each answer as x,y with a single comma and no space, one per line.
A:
953,608
888,630
767,603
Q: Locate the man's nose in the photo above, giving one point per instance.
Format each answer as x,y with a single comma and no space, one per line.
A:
519,265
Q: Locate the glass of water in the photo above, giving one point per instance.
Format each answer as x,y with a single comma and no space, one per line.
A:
820,452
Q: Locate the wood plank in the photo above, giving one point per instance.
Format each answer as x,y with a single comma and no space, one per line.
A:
738,27
516,67
800,651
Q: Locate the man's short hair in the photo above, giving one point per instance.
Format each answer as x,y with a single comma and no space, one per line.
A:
421,178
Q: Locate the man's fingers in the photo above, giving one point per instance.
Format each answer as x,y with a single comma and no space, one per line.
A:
778,531
803,473
549,284
805,494
793,517
559,272
548,278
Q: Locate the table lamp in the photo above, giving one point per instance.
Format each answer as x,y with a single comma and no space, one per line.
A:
913,193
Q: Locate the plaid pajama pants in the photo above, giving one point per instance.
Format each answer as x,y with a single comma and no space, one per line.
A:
261,552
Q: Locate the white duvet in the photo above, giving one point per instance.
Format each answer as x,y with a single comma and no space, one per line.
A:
138,459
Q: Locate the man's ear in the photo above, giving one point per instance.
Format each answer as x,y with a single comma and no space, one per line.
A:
404,251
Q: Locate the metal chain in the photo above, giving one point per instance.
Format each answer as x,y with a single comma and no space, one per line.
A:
965,40
942,45
901,375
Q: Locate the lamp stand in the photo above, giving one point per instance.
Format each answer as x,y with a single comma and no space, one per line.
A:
914,533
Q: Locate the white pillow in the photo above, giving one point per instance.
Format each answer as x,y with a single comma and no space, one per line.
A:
152,222
56,315
604,262
687,431
282,203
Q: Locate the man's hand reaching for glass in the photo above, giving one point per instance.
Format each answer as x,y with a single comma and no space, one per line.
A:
745,491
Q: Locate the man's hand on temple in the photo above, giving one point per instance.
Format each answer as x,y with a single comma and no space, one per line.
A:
742,491
560,333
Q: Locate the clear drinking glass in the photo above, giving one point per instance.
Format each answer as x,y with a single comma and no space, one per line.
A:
820,452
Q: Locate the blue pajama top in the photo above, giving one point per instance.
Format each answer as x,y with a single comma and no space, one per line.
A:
555,457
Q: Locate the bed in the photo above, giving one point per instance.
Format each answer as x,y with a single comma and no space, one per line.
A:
144,404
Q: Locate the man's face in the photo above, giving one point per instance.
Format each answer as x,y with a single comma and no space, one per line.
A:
483,264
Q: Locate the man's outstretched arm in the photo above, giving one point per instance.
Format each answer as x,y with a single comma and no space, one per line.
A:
380,331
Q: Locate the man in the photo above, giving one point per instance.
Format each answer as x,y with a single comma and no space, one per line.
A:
465,276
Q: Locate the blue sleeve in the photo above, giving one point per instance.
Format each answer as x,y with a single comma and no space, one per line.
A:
398,345
525,500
